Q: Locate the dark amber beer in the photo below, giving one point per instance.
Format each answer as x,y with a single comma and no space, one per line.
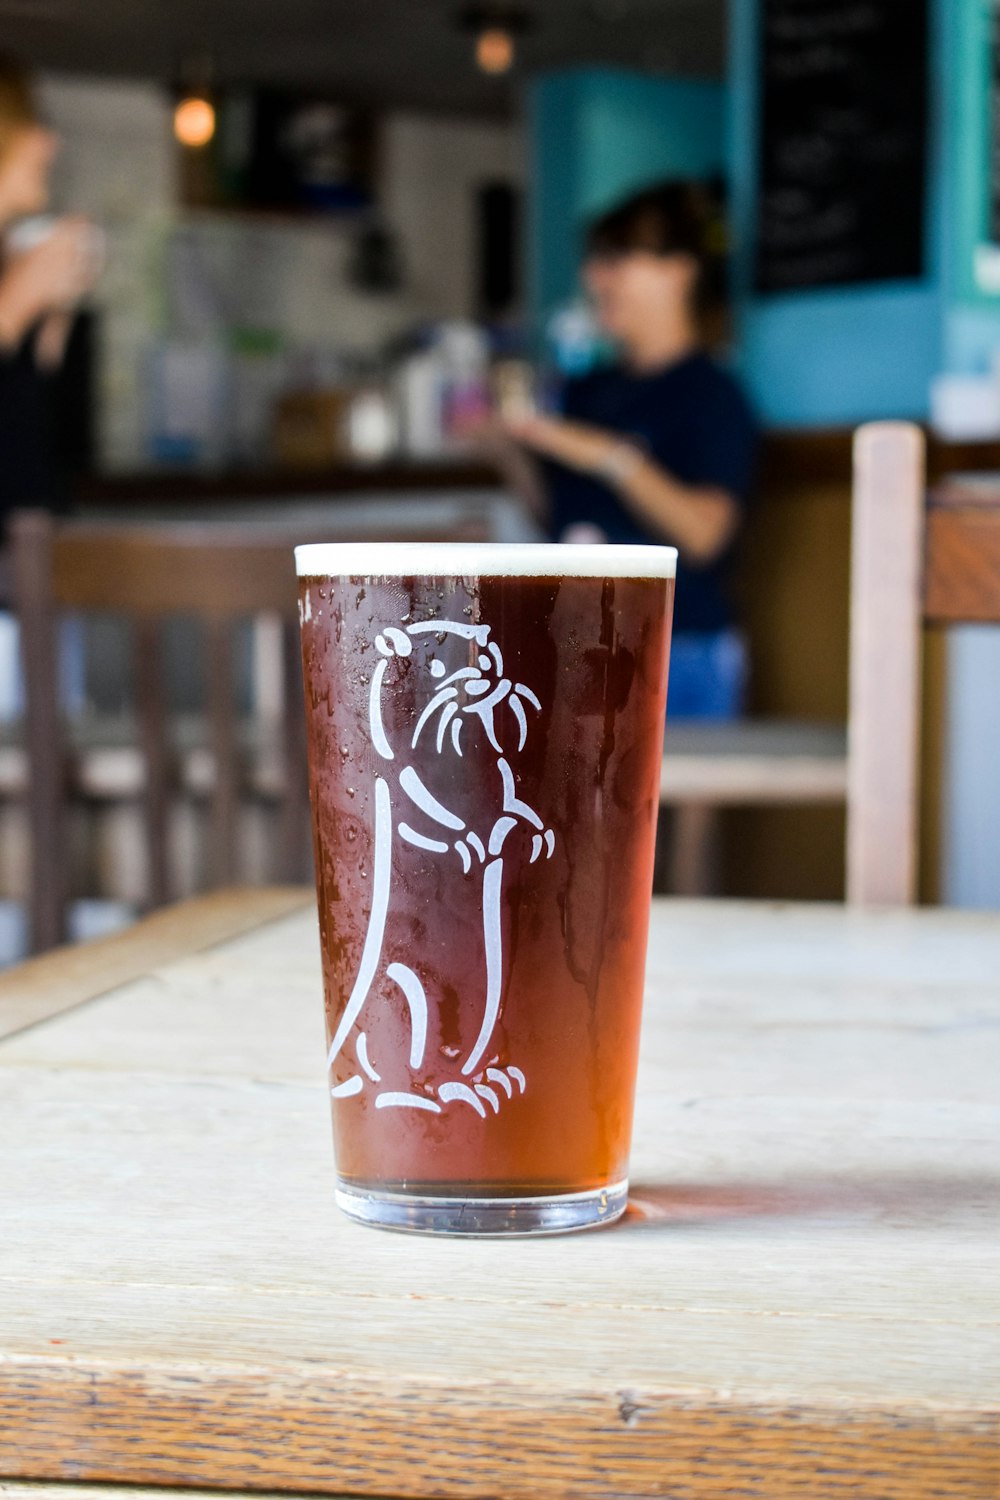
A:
485,737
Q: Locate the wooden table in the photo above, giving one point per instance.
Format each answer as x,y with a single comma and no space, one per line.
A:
804,1299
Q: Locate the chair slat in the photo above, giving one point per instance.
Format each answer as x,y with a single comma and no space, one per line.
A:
32,543
224,800
155,744
883,722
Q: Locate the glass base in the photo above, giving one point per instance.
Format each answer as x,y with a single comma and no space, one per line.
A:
419,1213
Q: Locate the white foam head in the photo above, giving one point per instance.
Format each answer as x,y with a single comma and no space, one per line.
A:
482,560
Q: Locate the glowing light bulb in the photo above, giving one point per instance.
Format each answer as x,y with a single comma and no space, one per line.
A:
194,122
494,50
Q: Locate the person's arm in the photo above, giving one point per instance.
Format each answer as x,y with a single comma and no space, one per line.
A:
52,338
700,519
48,279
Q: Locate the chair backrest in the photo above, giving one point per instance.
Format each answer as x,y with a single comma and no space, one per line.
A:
217,575
913,560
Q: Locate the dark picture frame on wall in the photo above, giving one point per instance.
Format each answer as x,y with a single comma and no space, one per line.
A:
284,151
843,146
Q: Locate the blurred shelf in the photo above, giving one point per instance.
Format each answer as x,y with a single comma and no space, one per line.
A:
790,457
288,215
794,456
156,486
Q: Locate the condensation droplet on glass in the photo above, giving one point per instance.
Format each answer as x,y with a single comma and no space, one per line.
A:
350,791
344,752
350,835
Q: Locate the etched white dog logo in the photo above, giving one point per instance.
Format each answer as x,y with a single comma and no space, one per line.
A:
477,691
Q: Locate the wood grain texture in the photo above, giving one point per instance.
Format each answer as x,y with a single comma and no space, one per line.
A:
885,663
962,563
491,1438
803,1300
66,977
40,1489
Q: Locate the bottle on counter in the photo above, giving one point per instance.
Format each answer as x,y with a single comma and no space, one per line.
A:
371,423
418,386
443,391
464,351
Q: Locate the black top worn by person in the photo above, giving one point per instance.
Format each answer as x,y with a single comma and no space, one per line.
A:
693,421
28,470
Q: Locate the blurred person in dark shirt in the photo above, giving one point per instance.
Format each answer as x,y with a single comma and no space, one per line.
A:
659,447
41,284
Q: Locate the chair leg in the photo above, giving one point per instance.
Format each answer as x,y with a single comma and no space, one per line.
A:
32,536
694,863
153,733
223,826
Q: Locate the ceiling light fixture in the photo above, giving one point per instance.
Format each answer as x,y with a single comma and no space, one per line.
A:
494,50
194,111
496,28
194,121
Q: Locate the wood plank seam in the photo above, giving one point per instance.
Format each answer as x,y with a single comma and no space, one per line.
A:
64,978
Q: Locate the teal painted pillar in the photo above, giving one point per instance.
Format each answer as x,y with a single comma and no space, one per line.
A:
595,135
972,265
848,354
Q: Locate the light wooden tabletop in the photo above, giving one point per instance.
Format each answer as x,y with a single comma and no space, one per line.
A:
804,1298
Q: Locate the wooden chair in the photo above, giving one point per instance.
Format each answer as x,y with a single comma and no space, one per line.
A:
218,574
149,576
915,560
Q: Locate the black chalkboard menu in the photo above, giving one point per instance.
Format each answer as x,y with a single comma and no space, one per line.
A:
843,142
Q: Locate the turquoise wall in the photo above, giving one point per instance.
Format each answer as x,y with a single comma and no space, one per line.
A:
596,134
972,288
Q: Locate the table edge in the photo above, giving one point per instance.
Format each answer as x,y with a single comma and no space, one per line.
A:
47,986
321,1429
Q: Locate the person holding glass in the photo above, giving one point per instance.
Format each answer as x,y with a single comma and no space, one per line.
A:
47,266
659,446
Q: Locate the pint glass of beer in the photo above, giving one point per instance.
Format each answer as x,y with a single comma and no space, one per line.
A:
485,730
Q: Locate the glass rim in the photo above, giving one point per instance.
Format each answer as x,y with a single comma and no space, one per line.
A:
484,560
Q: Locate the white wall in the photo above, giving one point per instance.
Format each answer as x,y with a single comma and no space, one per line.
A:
971,852
117,164
431,168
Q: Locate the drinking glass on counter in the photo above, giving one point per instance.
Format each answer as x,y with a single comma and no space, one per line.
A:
485,732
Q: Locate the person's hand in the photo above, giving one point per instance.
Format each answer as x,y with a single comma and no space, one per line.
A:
589,449
51,277
479,428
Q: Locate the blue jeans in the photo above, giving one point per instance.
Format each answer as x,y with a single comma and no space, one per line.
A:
708,674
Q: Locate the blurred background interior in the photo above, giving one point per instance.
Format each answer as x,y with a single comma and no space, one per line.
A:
328,242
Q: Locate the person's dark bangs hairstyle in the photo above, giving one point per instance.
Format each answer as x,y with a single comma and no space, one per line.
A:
670,218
